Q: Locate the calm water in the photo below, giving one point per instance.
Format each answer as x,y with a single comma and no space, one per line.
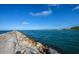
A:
65,41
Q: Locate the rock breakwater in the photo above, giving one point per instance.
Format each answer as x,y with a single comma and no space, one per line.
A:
15,42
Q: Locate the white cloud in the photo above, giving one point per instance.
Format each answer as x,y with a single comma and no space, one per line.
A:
42,13
25,23
76,8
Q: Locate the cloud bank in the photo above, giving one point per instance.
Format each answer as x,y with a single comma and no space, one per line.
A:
42,13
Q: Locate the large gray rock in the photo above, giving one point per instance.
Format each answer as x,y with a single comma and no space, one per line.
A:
16,42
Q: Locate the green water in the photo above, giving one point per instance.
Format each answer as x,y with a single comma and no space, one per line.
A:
64,41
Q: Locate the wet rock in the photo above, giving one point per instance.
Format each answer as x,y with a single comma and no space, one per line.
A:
18,52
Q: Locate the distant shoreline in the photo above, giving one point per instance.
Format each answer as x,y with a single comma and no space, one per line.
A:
72,28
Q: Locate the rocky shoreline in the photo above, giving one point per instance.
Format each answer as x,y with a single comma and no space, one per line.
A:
15,42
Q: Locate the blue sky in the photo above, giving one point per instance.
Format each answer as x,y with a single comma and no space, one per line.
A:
38,16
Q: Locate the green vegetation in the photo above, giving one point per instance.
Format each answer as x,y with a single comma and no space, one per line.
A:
75,28
72,28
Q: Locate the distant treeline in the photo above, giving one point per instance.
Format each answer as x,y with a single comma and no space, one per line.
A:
72,28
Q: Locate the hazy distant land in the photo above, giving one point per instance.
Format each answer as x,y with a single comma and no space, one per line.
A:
72,28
